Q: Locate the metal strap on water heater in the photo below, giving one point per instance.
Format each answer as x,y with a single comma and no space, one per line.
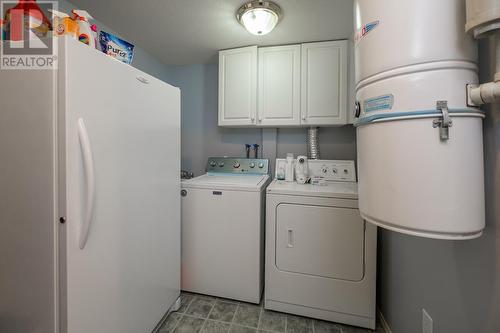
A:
445,122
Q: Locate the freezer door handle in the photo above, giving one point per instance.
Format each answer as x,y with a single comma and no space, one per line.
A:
88,165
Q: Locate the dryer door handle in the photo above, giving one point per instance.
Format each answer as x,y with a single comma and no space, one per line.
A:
290,238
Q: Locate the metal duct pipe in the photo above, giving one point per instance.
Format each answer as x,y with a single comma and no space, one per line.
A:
313,143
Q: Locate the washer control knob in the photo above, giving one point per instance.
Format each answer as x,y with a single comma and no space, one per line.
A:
221,164
345,171
324,169
236,165
252,165
334,170
261,165
213,163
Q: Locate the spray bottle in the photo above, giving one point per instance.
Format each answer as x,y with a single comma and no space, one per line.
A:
289,170
86,34
93,27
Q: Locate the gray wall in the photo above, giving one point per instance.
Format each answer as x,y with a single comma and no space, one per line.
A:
202,138
457,282
200,135
336,143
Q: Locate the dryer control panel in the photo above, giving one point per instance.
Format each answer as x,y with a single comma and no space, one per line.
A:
251,166
329,170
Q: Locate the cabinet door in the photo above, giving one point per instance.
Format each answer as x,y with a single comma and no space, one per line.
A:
279,86
324,83
238,86
351,86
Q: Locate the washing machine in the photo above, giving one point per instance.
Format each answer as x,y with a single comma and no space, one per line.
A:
320,254
222,229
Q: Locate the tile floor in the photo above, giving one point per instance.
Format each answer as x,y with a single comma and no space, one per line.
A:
206,314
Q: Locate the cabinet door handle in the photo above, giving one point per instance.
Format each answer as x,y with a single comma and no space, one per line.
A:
260,119
252,118
303,117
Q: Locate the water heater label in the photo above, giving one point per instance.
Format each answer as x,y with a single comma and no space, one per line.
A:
361,33
379,103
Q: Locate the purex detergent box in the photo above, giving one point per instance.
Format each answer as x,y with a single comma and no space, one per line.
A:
116,47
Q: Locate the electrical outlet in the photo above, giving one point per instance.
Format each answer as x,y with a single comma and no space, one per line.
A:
426,322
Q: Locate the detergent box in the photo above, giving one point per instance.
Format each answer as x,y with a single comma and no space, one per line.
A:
116,47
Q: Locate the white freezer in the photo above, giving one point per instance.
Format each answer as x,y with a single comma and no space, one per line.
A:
97,142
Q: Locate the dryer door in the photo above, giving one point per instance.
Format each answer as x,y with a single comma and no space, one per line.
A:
320,240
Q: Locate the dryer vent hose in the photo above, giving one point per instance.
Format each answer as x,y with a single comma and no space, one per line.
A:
313,143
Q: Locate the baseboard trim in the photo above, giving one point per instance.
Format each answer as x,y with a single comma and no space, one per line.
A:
383,322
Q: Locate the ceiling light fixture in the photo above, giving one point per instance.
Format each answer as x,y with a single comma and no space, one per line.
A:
259,17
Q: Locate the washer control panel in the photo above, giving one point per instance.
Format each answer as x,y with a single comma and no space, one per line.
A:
258,166
329,170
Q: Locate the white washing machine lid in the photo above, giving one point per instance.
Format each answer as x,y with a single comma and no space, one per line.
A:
227,181
342,190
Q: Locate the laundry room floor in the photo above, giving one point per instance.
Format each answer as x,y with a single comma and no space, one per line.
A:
207,314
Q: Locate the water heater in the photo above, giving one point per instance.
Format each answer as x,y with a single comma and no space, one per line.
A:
420,145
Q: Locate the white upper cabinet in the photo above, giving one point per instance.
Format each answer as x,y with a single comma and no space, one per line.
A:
351,91
238,86
289,85
279,86
324,83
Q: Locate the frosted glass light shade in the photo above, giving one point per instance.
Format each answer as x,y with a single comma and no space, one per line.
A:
259,21
259,17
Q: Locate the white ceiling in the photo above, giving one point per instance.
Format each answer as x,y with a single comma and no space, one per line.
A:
180,32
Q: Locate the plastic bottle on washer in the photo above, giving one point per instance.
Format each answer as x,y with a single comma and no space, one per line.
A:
289,170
